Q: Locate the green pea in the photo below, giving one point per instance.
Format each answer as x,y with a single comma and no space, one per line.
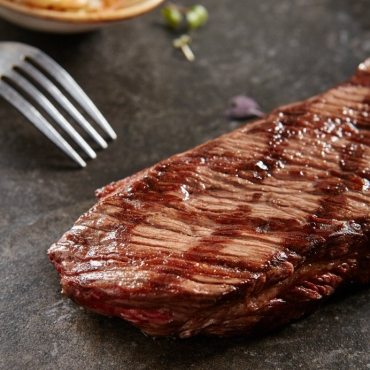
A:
172,16
196,16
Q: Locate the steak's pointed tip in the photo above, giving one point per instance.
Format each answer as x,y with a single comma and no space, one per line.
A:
365,66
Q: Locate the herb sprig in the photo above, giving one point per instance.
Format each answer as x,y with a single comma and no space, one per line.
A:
178,17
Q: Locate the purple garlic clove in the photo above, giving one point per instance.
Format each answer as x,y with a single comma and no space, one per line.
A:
242,106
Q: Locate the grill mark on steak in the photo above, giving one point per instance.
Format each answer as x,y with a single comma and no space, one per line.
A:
239,235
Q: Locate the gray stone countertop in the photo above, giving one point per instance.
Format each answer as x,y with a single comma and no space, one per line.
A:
160,104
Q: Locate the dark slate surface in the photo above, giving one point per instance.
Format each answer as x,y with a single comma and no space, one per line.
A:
159,104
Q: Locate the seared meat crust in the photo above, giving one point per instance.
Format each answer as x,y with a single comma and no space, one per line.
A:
241,234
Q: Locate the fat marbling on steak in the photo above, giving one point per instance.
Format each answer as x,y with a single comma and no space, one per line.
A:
241,234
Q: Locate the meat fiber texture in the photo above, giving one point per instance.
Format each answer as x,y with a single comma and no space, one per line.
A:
240,235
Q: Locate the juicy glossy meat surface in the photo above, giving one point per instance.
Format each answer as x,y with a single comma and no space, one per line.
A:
239,235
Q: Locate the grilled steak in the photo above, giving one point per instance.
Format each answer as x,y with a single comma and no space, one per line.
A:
241,234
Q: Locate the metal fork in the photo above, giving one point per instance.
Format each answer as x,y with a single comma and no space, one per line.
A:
18,68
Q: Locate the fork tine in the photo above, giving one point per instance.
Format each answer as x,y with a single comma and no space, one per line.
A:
34,116
65,79
62,100
51,110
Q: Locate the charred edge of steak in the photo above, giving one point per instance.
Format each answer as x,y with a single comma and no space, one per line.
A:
240,235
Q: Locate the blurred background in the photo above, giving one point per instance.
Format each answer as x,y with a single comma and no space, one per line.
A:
160,104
